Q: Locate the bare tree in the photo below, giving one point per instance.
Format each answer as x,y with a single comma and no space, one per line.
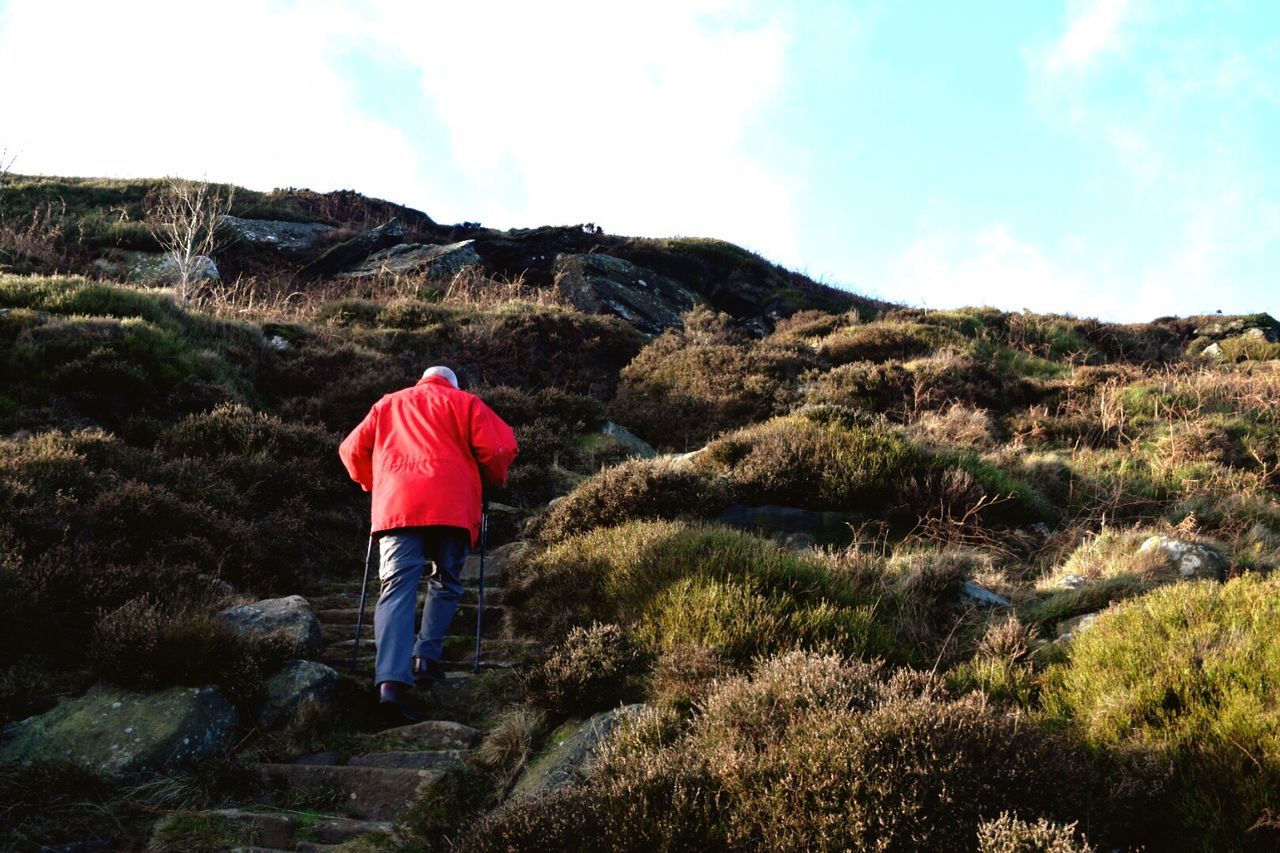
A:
187,222
6,164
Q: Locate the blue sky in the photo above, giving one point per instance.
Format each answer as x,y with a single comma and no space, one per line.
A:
1112,158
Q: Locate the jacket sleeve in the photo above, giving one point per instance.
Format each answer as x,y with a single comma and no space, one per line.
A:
356,450
493,444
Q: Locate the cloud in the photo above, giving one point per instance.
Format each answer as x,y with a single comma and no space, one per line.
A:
635,117
994,267
1093,29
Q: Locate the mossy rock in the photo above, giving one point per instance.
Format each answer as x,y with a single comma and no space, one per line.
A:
113,732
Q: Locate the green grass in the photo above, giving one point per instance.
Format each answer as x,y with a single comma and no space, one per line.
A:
1189,672
676,585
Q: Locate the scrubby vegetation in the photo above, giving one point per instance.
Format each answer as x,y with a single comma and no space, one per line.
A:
898,579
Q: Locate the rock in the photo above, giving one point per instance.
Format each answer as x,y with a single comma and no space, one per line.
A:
348,253
603,284
278,343
570,751
496,563
1259,334
224,829
154,268
784,521
290,238
437,759
1069,628
113,732
369,793
1192,560
1071,582
971,593
1262,326
292,684
433,734
689,458
436,262
290,618
1213,351
633,443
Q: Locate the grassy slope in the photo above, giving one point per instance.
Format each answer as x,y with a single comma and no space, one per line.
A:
150,448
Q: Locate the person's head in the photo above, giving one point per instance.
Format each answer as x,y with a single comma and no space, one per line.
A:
440,370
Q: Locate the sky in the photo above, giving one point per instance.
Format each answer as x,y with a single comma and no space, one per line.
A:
1104,158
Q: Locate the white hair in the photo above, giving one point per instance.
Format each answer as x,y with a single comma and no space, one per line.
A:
441,371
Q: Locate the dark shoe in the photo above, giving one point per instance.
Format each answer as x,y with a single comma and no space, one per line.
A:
394,706
428,671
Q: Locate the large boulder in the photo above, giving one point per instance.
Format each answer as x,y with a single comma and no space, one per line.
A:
113,732
603,284
291,619
436,262
496,564
153,268
291,685
570,751
1192,560
288,238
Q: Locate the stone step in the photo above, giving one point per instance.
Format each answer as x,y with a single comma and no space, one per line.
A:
436,759
326,606
368,793
343,829
433,734
493,610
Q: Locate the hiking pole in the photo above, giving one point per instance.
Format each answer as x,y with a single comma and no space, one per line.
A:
364,592
484,541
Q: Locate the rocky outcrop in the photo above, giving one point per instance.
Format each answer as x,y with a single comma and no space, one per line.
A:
289,238
348,253
290,686
434,262
570,751
603,284
113,732
152,268
291,619
1262,327
1192,560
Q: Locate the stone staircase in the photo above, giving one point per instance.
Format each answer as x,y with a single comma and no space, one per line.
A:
370,790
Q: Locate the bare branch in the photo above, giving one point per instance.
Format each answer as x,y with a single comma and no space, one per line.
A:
187,222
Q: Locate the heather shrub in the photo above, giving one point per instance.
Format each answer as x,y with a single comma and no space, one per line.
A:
147,644
1010,834
634,490
816,463
673,585
683,675
881,341
592,669
818,752
1185,671
679,391
959,427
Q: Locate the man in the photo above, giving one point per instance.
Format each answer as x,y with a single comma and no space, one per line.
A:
425,452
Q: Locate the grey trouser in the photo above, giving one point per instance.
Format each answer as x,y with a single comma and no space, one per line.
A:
403,557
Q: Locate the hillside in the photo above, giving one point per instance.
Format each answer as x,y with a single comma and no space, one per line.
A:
861,576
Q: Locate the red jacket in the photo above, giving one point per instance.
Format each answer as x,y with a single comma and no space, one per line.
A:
423,452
